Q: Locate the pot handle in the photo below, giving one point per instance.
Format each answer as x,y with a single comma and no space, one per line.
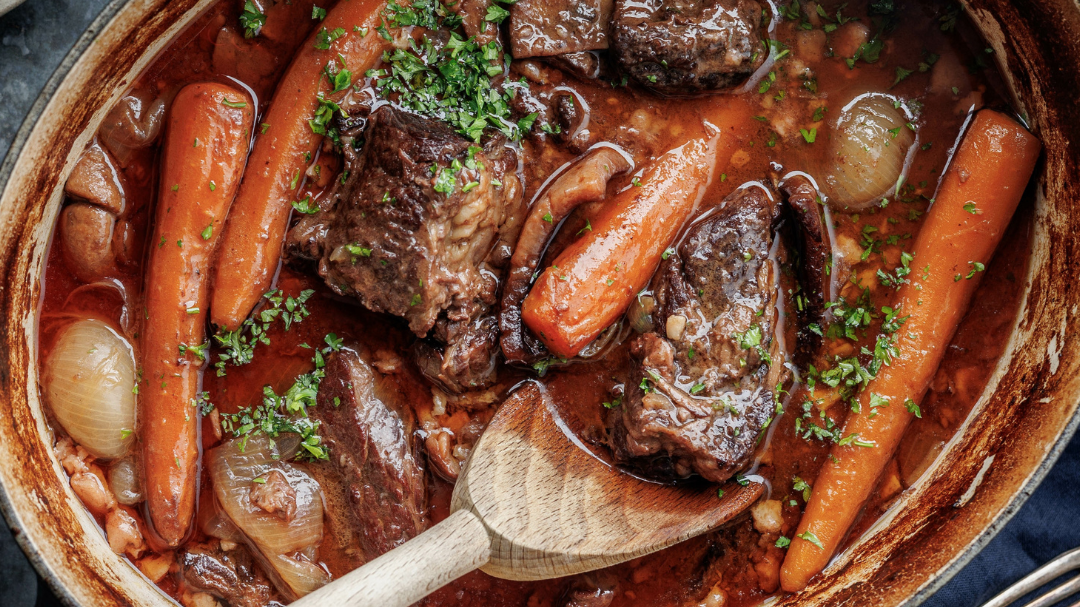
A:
413,570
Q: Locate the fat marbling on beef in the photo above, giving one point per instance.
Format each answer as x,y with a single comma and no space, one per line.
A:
412,231
230,575
373,445
702,383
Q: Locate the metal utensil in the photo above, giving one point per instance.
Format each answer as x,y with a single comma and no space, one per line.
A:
1063,564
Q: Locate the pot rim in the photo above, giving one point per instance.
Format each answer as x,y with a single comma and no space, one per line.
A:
44,569
33,115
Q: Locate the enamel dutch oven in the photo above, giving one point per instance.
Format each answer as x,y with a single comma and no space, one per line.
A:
1016,431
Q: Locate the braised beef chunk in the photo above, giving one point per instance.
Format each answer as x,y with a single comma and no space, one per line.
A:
228,575
588,65
372,445
474,20
274,495
593,589
815,252
411,228
467,357
702,384
686,46
542,28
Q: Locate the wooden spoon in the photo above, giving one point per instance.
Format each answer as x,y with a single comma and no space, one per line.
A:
533,503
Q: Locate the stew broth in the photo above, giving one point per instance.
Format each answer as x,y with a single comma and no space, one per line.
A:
932,62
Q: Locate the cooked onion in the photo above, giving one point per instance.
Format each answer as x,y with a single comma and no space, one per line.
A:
870,148
640,312
233,468
88,382
125,483
300,574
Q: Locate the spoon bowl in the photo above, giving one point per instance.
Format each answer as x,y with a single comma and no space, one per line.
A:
533,503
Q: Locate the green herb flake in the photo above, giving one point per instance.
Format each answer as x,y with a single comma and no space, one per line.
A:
810,537
306,206
324,38
251,19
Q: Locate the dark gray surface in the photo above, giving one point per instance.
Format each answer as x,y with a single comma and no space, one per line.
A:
34,38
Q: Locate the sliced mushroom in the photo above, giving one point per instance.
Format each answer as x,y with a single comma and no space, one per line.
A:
585,181
135,122
96,180
86,233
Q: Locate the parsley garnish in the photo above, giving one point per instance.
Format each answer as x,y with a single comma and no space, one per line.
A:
810,537
324,38
239,345
306,206
452,82
251,20
287,413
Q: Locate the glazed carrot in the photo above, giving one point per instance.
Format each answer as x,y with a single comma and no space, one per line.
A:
593,281
973,206
206,144
284,147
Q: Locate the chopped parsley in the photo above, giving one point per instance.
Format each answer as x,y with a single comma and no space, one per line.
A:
901,73
251,20
460,81
810,537
496,14
614,403
306,206
324,38
287,412
541,366
800,486
239,346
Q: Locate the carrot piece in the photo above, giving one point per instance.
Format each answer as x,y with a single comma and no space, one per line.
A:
206,144
286,144
977,198
593,281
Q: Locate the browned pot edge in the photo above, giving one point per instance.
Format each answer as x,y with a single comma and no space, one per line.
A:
62,541
891,582
1027,415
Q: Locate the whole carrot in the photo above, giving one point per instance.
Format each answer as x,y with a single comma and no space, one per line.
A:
206,144
593,281
973,206
285,146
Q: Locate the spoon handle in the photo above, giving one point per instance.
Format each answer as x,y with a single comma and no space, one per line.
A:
413,570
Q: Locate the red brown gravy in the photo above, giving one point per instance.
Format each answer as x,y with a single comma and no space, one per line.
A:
736,565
